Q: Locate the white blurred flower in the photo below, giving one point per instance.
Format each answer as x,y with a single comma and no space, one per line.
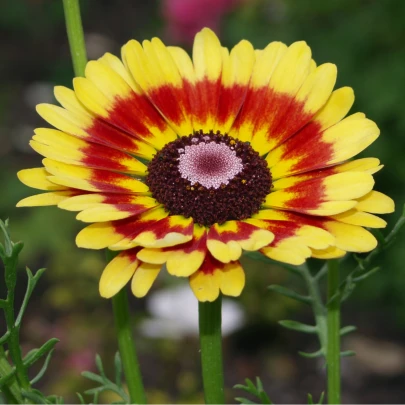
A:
174,314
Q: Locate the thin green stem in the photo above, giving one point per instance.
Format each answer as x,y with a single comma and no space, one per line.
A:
211,351
13,340
127,348
317,306
74,29
333,347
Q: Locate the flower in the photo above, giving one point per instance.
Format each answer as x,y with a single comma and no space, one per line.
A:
189,162
184,18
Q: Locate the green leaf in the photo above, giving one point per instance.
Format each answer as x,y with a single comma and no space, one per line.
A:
311,401
99,365
95,390
347,329
17,247
4,338
244,400
54,399
256,391
32,282
81,399
2,253
43,368
36,354
35,396
240,387
95,398
298,326
5,379
345,290
7,249
312,355
93,377
251,386
262,394
347,353
118,369
290,293
365,275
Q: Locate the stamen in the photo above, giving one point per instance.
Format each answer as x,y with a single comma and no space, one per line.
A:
210,164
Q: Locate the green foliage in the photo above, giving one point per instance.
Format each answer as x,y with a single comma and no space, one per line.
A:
362,271
258,392
311,401
254,390
105,384
14,382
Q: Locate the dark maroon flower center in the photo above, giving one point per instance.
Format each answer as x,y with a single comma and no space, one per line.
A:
212,178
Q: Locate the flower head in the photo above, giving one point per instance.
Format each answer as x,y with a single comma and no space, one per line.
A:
188,162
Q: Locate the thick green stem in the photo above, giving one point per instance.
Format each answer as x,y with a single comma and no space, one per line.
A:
75,35
333,347
211,351
127,348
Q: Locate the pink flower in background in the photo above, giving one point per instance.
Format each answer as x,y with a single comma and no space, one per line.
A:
186,17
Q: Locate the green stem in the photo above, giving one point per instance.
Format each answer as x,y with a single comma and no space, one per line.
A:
74,29
211,351
127,348
317,307
11,390
13,340
333,348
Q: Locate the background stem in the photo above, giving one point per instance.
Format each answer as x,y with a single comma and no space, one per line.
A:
75,34
127,349
333,342
211,351
11,390
318,307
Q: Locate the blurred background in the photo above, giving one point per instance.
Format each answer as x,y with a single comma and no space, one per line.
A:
366,39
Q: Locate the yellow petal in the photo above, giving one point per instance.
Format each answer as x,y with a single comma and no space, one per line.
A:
143,278
332,252
336,108
360,218
318,87
117,274
289,251
207,55
98,236
348,185
38,178
205,286
232,279
351,238
376,203
52,198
